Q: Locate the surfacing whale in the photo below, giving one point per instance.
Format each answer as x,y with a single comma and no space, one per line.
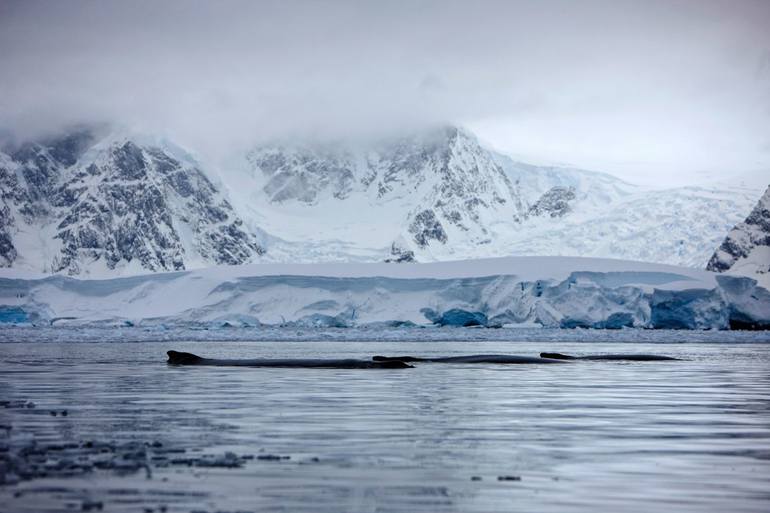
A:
474,358
180,358
615,357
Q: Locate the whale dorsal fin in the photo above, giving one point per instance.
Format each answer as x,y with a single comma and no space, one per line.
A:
557,356
180,358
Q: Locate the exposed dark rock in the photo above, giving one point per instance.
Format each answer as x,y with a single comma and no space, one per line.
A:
11,195
555,202
8,251
426,227
304,174
400,255
743,240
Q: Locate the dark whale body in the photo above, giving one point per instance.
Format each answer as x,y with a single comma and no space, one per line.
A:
613,357
474,358
179,358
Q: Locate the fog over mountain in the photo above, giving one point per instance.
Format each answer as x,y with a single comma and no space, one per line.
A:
661,93
109,202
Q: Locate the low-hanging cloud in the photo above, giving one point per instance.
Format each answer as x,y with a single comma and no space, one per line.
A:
673,86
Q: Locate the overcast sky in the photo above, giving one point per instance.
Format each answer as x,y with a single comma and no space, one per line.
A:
665,92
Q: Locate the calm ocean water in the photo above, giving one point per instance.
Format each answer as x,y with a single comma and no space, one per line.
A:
691,435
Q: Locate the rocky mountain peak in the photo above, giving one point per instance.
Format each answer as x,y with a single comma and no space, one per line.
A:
746,249
113,203
447,184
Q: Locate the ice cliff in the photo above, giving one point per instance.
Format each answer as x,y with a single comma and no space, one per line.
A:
561,292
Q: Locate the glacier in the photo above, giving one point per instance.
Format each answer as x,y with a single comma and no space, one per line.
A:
553,292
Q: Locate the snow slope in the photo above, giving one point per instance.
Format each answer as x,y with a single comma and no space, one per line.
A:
552,292
678,226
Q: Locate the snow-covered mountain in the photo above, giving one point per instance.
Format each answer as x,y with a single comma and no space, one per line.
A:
442,195
432,193
746,249
117,203
85,204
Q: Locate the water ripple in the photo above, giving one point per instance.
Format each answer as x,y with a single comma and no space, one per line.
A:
680,436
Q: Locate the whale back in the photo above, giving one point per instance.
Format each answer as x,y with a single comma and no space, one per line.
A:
472,358
557,356
384,359
181,358
610,357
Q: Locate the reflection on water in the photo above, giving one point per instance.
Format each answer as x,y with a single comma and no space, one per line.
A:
692,435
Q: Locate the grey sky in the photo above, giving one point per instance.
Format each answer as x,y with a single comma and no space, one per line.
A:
667,92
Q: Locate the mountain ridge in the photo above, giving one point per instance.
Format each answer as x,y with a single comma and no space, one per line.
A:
113,202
